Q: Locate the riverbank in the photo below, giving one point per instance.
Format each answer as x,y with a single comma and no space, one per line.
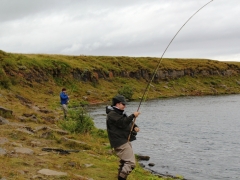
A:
29,92
34,146
195,137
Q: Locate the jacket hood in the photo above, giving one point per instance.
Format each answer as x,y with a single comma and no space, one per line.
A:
108,109
113,108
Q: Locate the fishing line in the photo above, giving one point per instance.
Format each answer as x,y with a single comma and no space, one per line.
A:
159,62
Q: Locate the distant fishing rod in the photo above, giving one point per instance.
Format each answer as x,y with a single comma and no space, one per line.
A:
159,62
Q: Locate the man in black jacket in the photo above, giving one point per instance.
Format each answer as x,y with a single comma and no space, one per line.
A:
118,128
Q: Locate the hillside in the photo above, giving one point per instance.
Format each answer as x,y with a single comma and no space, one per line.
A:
30,111
96,79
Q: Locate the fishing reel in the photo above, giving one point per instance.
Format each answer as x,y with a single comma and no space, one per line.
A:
133,135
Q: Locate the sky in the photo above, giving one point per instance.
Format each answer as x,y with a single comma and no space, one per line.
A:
135,28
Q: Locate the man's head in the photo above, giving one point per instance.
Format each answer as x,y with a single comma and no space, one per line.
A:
64,89
119,101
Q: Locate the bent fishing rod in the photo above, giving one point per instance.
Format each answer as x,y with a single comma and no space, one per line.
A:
159,62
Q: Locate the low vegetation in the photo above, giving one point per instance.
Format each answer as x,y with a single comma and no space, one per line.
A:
30,85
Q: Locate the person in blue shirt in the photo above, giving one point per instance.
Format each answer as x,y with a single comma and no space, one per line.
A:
64,98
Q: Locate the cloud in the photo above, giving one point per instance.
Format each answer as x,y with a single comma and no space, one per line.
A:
121,28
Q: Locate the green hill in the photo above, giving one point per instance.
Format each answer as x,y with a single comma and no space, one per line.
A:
29,95
98,78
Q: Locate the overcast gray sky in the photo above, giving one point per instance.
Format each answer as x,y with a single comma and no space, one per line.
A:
122,28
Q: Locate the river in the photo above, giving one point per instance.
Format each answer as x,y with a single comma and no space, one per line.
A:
195,137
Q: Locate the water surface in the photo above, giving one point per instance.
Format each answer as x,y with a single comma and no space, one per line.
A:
196,137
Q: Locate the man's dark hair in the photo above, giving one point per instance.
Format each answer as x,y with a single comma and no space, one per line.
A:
64,89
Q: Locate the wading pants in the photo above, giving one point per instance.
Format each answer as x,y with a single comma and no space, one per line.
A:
65,109
127,162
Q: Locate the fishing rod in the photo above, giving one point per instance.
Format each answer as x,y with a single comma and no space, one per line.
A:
160,61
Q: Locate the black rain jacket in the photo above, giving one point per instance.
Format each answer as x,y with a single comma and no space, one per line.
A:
119,126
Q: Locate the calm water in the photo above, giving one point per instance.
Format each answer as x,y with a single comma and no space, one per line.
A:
196,137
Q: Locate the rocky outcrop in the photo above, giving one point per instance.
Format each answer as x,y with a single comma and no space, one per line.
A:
11,148
3,121
2,152
49,172
4,112
22,150
143,158
162,74
115,67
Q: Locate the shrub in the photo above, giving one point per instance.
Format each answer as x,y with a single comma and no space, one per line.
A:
126,91
78,121
100,133
5,82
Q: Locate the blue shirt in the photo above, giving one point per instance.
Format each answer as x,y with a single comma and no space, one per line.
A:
64,98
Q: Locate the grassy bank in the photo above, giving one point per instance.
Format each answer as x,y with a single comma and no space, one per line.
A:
30,85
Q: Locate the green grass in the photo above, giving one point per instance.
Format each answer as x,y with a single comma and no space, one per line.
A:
30,81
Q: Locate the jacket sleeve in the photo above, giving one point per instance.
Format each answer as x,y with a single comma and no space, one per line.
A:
63,96
121,121
124,121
